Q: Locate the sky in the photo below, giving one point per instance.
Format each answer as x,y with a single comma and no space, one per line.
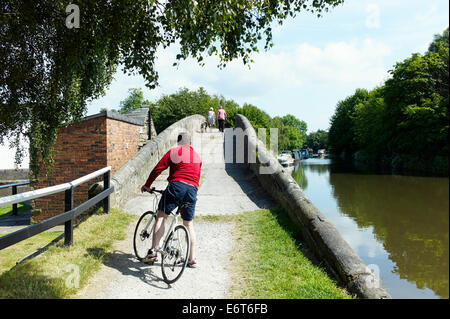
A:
314,63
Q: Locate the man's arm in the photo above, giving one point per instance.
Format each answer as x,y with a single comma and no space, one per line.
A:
162,165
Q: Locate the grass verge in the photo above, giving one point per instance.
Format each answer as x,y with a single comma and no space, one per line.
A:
269,261
60,271
7,210
11,255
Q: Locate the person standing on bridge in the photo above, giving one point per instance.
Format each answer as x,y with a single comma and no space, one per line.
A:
184,176
211,116
221,116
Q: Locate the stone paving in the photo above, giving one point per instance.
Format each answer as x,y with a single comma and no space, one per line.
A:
224,189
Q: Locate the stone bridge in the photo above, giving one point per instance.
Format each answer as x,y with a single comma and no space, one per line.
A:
225,188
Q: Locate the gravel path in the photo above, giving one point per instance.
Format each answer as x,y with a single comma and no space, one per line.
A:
123,276
226,189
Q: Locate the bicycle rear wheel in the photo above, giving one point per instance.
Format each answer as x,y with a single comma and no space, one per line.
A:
143,233
175,254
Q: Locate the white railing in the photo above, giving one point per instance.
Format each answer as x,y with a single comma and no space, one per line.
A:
70,213
14,199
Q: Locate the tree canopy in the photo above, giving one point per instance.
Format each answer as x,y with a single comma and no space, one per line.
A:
405,121
317,140
134,100
49,71
174,107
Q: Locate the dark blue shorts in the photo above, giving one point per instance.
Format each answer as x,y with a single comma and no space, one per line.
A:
176,194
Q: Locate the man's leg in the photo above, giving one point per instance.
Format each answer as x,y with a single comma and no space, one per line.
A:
190,226
159,229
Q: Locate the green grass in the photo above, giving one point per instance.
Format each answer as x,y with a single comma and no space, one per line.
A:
52,274
269,262
7,210
11,255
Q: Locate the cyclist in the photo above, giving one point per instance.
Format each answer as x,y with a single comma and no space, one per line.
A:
184,176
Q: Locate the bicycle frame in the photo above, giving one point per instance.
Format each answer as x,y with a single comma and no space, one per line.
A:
171,228
174,244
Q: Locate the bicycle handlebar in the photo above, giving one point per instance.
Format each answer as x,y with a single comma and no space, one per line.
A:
154,190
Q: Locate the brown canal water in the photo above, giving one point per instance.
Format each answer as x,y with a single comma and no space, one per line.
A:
398,225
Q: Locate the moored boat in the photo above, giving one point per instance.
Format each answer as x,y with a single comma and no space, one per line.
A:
285,158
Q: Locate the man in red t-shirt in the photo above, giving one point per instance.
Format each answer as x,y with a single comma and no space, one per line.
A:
184,176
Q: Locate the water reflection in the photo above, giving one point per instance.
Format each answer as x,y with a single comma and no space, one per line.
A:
299,175
398,222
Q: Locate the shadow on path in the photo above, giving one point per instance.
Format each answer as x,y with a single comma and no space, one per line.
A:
128,265
23,217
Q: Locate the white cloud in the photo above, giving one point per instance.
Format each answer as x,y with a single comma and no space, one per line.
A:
278,82
428,15
357,63
373,17
338,63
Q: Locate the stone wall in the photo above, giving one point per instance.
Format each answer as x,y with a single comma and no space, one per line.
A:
321,236
13,175
131,176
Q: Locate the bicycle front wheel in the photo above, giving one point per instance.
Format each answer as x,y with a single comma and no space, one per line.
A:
143,233
175,254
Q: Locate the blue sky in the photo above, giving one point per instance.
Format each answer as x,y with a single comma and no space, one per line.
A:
314,62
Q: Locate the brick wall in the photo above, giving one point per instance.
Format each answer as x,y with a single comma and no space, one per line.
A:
81,149
122,140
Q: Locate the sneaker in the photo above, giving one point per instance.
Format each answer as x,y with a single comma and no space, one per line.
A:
151,257
192,263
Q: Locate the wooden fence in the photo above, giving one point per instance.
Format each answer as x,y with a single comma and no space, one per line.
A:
69,214
14,192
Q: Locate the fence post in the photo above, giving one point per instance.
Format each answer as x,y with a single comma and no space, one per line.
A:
106,201
68,225
14,192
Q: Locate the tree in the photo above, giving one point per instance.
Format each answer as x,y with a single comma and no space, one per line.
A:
317,140
134,101
257,117
440,41
417,99
291,120
174,107
370,129
341,134
404,123
49,69
289,136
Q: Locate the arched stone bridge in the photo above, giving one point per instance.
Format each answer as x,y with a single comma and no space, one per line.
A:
225,188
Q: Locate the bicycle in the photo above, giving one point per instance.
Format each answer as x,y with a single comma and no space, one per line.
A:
177,243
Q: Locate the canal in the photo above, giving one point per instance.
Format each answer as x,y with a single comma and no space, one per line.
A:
398,225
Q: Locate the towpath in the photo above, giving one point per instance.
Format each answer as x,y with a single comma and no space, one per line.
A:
224,189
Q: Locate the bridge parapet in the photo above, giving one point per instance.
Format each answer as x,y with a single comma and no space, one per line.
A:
132,175
322,237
